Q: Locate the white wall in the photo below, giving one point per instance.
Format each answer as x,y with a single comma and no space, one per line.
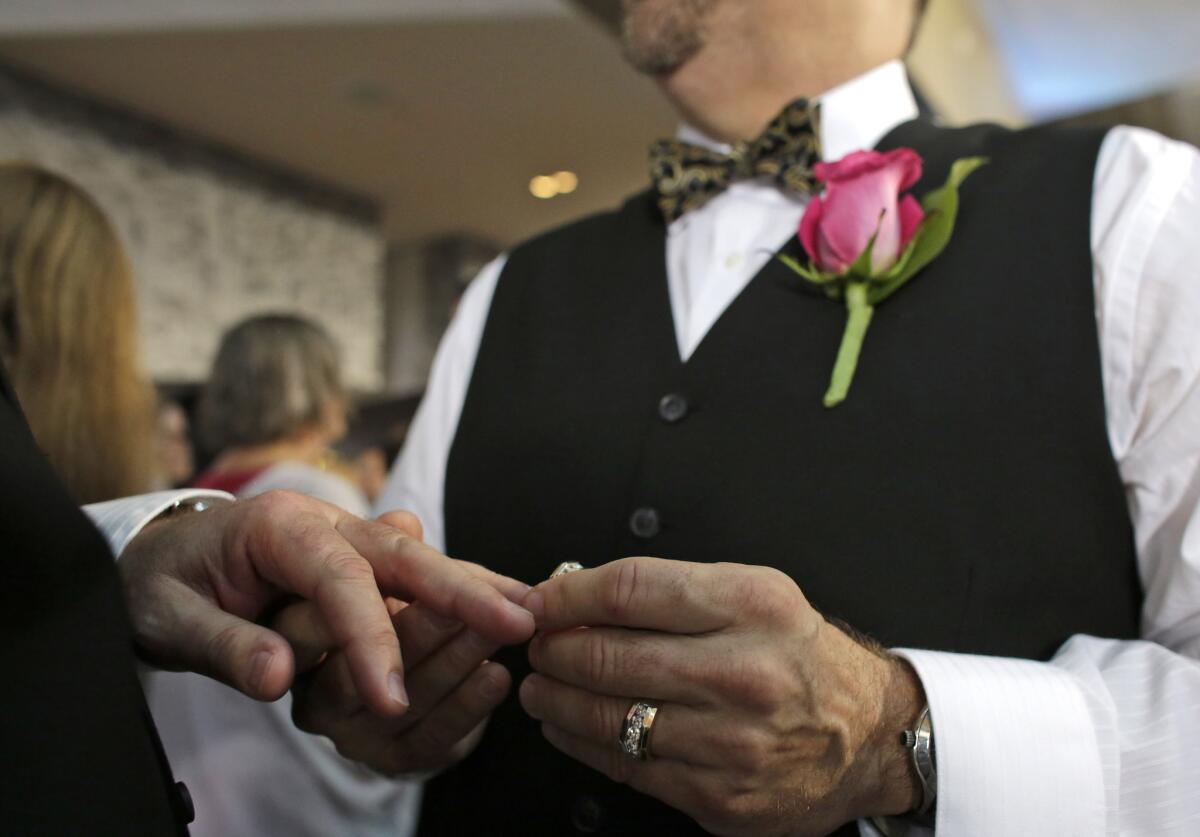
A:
211,247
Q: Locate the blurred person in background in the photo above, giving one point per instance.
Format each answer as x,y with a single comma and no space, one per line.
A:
196,572
271,410
176,455
69,335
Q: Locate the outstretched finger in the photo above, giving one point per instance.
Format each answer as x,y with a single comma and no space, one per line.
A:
293,544
408,568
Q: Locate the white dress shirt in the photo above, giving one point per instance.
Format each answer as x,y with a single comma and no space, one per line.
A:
120,520
1105,738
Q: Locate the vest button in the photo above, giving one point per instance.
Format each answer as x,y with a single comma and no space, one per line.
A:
672,408
184,798
644,522
586,814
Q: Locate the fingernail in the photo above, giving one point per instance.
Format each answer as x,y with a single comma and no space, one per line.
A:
396,688
535,603
259,668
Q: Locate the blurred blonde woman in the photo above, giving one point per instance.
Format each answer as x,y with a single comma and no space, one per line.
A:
69,335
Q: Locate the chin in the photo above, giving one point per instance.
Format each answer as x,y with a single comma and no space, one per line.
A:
660,36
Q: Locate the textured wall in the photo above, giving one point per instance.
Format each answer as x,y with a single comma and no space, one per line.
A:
213,238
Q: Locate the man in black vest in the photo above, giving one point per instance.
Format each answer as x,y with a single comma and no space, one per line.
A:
79,752
1008,498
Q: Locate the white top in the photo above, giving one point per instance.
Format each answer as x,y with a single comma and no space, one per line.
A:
1105,738
306,479
250,771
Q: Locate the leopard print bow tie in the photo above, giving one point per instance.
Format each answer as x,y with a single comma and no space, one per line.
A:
688,176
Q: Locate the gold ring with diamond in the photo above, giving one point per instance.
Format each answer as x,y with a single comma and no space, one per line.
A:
635,731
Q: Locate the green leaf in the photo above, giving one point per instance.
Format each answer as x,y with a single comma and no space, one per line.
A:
941,212
813,275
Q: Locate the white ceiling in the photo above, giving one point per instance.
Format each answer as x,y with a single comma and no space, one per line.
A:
61,16
443,122
442,110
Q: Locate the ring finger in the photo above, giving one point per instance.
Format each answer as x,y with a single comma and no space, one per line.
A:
677,734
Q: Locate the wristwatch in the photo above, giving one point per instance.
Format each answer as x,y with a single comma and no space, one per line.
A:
919,742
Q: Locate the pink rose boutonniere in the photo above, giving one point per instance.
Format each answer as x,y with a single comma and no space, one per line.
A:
865,238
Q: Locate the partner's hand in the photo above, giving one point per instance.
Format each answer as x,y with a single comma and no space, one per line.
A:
771,720
452,687
196,582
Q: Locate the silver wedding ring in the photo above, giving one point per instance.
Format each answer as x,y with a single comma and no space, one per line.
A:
566,567
634,739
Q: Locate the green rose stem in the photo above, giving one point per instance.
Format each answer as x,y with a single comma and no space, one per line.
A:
858,319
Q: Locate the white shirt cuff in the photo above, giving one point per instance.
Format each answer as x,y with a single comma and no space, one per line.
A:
1016,749
120,520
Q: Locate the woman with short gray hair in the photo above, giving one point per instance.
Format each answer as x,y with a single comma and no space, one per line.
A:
271,409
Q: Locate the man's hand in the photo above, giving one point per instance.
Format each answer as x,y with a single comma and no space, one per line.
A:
771,720
195,584
452,686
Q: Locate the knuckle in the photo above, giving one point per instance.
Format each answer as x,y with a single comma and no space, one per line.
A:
624,589
597,659
222,647
775,596
603,722
755,683
277,502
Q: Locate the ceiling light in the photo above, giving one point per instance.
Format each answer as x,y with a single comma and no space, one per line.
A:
543,187
566,181
547,186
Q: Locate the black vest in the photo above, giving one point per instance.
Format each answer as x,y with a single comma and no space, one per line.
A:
78,752
963,498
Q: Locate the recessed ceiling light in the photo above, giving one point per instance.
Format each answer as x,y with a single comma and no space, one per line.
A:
566,181
547,186
543,187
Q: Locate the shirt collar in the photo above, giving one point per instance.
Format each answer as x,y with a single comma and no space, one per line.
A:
855,115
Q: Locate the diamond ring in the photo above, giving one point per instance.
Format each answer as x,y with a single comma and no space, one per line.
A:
566,567
635,731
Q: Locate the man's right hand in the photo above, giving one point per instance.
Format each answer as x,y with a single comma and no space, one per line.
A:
452,686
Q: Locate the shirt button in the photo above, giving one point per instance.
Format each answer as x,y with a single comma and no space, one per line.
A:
733,260
586,814
644,522
184,796
672,408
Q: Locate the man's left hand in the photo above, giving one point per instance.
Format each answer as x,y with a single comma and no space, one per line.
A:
196,584
770,719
